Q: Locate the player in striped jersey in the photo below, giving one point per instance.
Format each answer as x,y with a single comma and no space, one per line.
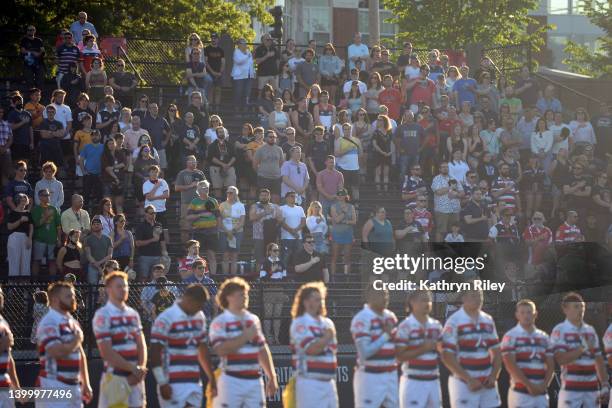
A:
527,356
62,360
418,338
373,329
607,340
120,340
314,346
236,336
8,373
471,353
179,348
576,347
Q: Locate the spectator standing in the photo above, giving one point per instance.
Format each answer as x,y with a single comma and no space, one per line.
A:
215,65
51,133
307,73
267,59
422,90
123,243
75,217
404,58
6,141
343,218
150,242
32,51
231,224
408,136
156,191
385,67
47,233
446,201
571,265
317,226
391,97
186,183
242,73
98,250
203,214
306,264
77,27
222,158
264,216
200,275
113,165
293,220
357,51
413,186
377,233
273,270
90,163
141,168
330,68
295,176
302,120
107,117
602,125
278,120
63,114
199,111
582,130
505,189
525,127
67,54
464,89
19,185
267,162
329,181
527,88
474,218
408,233
538,238
348,149
51,184
123,83
577,189
21,126
21,229
548,101
69,256
159,130
381,144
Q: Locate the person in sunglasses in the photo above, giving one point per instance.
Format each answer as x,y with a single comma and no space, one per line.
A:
307,265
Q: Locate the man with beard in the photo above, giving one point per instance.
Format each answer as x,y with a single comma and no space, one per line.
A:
8,374
505,189
267,163
121,343
63,365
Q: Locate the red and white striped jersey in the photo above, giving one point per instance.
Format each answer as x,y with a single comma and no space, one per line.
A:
54,328
568,233
607,340
5,380
367,328
509,198
305,330
471,341
580,374
530,351
423,217
412,333
180,335
538,250
121,327
244,363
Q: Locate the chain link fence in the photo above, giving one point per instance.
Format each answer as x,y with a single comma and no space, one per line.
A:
272,302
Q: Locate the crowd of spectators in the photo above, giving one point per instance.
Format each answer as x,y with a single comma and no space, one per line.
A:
472,155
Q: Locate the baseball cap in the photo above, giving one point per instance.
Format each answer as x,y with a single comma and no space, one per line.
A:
342,192
96,219
70,277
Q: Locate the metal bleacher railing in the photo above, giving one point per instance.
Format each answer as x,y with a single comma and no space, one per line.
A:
344,300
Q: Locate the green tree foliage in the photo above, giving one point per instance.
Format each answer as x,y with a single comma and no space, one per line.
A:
580,58
454,24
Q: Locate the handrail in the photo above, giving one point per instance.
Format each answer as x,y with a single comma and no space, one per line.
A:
567,88
127,57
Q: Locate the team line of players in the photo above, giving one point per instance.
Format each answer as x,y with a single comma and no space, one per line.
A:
467,344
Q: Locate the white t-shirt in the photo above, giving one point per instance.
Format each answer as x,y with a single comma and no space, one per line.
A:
231,214
556,131
355,50
292,217
346,88
63,114
314,227
160,205
411,72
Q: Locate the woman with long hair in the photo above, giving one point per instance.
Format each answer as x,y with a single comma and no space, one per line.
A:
233,214
582,130
355,99
210,135
273,271
458,167
452,76
173,148
371,95
107,216
278,120
456,142
314,345
465,115
330,67
123,243
381,144
289,51
285,79
265,105
288,101
344,218
542,142
377,233
143,163
317,225
533,185
125,119
314,93
142,109
560,174
193,41
362,130
68,258
114,164
95,81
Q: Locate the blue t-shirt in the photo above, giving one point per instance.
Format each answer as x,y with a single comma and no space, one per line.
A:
21,136
92,154
461,87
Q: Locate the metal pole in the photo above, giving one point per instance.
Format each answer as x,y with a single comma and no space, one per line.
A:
374,22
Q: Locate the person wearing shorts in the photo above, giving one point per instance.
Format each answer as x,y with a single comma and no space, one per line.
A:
221,157
47,232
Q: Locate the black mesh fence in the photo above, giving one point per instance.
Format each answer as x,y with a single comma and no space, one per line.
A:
272,303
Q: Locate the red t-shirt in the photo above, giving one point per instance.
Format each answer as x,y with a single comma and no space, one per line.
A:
392,99
423,93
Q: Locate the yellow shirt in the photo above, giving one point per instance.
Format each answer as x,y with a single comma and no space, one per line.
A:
83,138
